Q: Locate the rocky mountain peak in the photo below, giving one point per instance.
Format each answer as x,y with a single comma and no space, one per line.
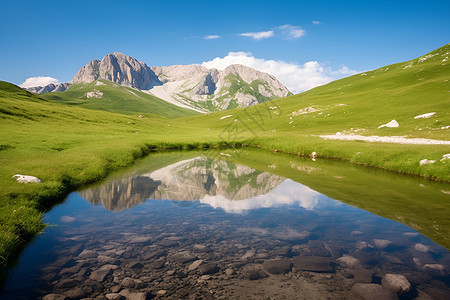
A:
119,68
189,86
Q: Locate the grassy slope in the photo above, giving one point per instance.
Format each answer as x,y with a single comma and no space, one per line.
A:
66,147
69,146
357,104
118,99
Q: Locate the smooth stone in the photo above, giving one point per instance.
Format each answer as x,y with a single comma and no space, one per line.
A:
435,269
253,272
248,255
140,240
156,264
161,292
201,248
422,248
135,265
195,265
381,244
127,282
396,283
348,261
277,266
87,254
393,259
139,296
372,292
208,268
79,292
183,257
113,296
54,297
125,293
116,289
230,272
100,275
313,263
168,243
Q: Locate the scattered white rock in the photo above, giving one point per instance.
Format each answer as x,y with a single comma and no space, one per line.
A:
313,155
98,83
445,157
94,94
224,117
225,154
425,161
385,139
26,179
391,124
425,116
305,110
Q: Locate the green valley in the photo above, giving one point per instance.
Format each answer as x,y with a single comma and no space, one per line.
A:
69,140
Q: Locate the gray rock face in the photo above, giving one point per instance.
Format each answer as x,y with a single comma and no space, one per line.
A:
118,68
190,86
61,87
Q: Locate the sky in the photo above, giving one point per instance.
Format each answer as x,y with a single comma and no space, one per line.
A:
302,43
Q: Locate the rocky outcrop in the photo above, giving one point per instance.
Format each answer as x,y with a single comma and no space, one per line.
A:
119,68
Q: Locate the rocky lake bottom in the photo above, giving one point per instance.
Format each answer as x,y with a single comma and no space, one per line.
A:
264,237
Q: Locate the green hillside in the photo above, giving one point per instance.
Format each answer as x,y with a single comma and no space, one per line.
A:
355,105
109,96
362,102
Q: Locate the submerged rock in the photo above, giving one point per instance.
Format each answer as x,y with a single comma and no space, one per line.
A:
277,266
396,283
313,263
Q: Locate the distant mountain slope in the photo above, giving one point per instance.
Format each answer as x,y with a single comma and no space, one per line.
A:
213,90
109,96
190,86
360,104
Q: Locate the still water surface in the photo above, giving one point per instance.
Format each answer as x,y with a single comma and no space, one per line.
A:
187,226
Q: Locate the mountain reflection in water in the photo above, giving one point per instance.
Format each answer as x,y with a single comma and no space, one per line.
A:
216,182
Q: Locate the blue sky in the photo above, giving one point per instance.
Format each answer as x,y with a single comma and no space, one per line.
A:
57,38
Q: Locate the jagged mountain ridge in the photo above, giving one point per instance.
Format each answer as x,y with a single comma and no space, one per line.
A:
189,86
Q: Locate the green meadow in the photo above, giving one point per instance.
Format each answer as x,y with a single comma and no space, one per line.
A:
70,141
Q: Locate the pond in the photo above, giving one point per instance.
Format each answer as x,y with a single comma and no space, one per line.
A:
242,225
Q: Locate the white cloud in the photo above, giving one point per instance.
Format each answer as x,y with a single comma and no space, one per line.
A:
211,37
258,35
38,81
292,32
297,78
316,22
